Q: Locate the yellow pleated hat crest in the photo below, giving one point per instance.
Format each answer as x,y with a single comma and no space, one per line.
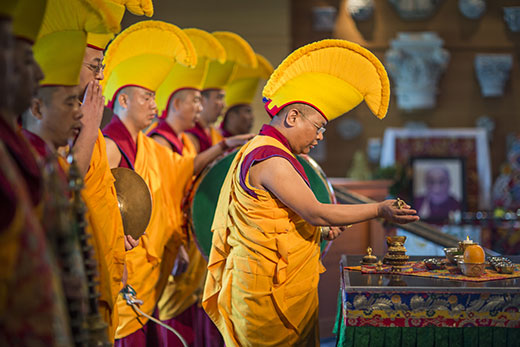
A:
83,15
333,76
7,8
242,86
60,46
112,11
28,18
208,48
238,52
138,7
143,55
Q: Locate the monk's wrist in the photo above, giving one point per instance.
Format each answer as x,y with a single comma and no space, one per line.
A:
223,145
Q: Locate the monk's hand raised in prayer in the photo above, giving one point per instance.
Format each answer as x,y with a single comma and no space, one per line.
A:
333,233
238,140
92,107
181,262
130,243
396,212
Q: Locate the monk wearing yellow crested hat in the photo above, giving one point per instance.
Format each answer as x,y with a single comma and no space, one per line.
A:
240,93
263,269
179,101
32,311
57,118
99,193
238,53
137,62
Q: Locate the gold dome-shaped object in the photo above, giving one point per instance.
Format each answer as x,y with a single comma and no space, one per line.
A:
135,201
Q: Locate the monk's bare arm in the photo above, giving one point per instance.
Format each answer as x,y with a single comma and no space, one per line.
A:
278,176
113,154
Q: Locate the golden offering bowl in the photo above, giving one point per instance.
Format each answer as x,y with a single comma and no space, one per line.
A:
393,239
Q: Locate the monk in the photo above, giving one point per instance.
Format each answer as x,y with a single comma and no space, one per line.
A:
28,266
128,147
132,96
99,193
264,266
54,122
179,304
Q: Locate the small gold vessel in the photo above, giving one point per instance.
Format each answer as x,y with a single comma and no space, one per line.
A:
396,254
369,259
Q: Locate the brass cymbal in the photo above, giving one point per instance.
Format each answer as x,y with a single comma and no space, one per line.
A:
135,201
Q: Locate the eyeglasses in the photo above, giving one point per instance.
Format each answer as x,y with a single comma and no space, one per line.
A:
95,68
319,129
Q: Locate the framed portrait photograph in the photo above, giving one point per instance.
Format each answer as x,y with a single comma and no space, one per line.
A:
438,187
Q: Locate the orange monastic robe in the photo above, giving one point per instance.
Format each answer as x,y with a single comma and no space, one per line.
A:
106,227
264,266
150,263
215,135
184,290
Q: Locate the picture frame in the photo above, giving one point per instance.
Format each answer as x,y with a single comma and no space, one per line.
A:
438,187
400,144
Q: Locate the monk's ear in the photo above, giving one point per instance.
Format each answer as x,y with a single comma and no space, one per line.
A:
36,108
176,103
291,116
122,99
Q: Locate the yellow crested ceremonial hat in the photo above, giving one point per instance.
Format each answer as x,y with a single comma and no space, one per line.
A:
60,46
112,11
208,48
28,18
238,52
143,55
333,76
7,8
242,86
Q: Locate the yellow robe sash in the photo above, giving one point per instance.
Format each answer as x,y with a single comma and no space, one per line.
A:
150,263
264,266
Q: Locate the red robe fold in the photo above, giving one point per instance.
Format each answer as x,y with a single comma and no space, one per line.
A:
24,159
117,132
164,130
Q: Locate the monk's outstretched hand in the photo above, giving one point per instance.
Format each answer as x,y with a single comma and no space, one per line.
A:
396,212
238,140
